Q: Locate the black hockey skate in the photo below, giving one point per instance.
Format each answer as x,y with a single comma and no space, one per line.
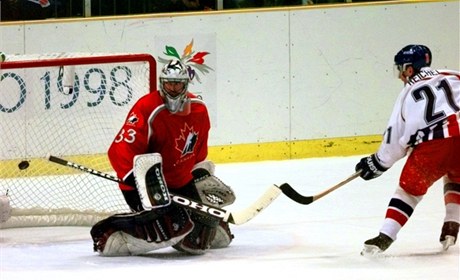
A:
449,234
376,245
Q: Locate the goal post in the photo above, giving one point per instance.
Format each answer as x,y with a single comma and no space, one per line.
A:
70,105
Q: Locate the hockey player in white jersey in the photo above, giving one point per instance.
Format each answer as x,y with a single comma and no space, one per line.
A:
425,125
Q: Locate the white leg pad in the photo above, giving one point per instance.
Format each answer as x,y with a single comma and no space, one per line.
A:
116,245
123,244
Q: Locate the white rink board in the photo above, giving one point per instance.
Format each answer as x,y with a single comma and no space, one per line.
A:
280,75
353,88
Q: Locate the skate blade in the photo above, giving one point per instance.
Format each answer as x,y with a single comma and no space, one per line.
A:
449,241
371,250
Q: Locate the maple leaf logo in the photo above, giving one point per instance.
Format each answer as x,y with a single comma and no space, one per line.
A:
187,140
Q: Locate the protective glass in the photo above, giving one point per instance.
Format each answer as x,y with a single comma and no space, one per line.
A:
399,68
173,88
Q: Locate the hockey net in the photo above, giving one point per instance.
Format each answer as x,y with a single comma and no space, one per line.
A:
69,105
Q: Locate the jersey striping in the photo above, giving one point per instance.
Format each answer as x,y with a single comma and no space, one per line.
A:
427,108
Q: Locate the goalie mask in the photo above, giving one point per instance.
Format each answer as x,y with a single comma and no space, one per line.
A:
174,81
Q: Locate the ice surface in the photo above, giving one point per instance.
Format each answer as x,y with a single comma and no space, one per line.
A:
321,240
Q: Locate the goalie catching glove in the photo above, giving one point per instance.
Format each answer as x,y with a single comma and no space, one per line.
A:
210,188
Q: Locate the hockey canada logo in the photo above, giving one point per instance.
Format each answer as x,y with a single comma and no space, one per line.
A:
132,119
186,141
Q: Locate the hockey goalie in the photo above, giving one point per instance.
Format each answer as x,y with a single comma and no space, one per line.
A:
157,222
165,133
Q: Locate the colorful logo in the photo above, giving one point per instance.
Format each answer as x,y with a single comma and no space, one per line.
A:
194,61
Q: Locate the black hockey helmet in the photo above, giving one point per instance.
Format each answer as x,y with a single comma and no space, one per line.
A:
418,56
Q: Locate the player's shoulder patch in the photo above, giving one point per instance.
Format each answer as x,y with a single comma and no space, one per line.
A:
132,119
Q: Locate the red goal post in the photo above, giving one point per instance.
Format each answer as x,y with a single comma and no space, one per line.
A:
70,105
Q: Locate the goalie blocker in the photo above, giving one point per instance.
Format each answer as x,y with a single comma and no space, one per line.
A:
163,224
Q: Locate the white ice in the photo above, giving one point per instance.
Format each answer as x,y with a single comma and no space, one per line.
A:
321,240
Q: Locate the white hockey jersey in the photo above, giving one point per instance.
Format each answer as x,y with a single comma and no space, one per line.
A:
427,108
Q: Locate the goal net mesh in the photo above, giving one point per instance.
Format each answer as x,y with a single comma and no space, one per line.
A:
71,106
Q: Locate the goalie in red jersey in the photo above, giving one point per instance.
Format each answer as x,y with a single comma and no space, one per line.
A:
162,147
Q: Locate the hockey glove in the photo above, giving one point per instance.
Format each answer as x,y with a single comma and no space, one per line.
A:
210,188
370,167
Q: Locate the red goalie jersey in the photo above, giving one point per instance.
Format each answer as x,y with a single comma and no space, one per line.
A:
151,128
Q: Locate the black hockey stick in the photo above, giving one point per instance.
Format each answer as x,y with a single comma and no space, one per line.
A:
294,195
237,218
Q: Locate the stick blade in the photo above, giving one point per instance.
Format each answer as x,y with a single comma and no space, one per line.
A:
56,159
294,195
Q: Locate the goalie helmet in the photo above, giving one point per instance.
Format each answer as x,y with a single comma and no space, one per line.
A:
417,56
174,81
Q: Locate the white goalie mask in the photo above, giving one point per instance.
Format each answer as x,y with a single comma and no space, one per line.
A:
174,81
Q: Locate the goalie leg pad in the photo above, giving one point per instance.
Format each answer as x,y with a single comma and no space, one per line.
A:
115,245
138,233
223,236
199,240
122,244
209,232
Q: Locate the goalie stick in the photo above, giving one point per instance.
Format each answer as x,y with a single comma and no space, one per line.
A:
237,218
297,197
